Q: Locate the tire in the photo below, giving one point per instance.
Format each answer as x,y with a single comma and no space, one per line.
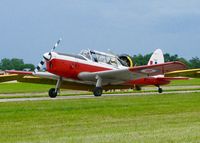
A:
138,88
160,90
52,93
97,91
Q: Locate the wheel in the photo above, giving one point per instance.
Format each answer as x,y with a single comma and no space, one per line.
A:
52,93
137,87
97,91
160,90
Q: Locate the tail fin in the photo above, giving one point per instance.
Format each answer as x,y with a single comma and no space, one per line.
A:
156,58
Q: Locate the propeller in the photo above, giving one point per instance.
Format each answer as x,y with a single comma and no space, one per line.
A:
46,57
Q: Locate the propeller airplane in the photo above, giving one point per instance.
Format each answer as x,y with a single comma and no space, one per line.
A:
97,71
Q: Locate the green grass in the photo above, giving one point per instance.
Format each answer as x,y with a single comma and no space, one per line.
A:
23,87
161,118
194,81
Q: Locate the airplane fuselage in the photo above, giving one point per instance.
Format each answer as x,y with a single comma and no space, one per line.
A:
70,66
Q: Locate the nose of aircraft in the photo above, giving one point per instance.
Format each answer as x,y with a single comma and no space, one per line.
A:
47,56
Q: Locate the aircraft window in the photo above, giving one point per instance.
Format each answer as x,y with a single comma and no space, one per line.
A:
75,56
94,56
104,58
113,61
86,54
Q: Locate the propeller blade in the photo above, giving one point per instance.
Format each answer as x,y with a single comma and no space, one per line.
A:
56,45
39,66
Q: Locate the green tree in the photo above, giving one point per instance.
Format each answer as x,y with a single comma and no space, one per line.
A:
194,62
6,64
17,64
140,59
169,58
29,66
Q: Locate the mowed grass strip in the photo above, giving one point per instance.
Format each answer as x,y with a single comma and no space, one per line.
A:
155,118
193,81
23,88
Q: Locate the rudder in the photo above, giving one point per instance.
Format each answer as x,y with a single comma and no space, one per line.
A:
156,58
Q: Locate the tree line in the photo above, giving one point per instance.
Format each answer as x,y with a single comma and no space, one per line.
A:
15,64
18,64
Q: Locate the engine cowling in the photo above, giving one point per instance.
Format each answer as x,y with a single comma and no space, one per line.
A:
126,60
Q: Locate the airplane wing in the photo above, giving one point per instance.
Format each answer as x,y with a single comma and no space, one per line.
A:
28,77
30,73
125,74
10,77
31,77
193,73
44,78
88,79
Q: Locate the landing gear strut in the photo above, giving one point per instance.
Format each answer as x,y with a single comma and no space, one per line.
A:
53,92
98,90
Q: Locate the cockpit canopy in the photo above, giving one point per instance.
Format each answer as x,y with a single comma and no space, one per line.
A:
101,57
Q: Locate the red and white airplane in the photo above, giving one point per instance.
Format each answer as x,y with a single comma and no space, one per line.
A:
97,71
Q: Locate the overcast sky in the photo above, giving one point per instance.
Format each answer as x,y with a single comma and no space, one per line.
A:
28,28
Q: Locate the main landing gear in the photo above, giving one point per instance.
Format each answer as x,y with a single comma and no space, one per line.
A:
98,90
138,88
53,92
160,90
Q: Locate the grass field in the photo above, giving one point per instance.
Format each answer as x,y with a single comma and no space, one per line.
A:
23,87
171,118
194,81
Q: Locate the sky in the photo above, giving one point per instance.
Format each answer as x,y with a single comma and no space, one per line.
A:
29,28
